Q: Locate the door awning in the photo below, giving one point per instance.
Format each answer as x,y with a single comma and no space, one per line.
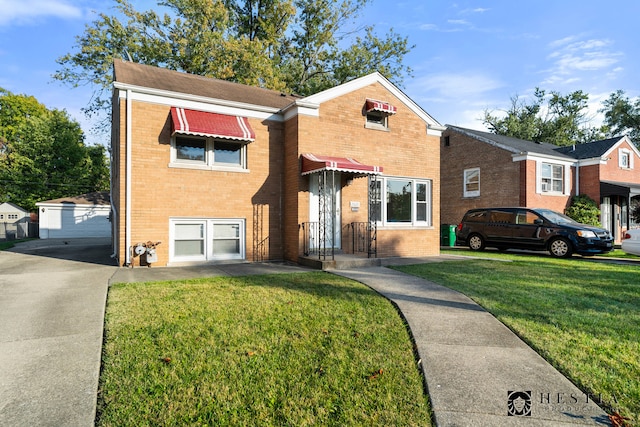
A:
202,123
614,188
384,107
312,163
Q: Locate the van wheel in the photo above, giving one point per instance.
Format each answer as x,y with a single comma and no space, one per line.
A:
476,242
560,248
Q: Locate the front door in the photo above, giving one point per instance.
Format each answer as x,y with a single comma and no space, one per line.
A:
325,211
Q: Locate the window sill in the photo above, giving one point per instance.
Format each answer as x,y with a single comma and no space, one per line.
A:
208,168
375,126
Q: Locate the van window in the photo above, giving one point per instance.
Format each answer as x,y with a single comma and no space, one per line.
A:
526,217
477,216
503,216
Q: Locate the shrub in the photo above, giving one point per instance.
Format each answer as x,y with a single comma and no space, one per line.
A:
584,210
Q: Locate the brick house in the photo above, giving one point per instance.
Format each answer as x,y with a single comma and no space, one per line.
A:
481,169
221,171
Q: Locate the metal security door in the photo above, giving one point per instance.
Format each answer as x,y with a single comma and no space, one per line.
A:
324,209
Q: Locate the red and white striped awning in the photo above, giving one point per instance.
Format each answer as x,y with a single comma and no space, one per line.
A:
384,107
202,123
312,163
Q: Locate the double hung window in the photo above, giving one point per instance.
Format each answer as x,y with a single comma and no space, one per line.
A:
472,182
552,178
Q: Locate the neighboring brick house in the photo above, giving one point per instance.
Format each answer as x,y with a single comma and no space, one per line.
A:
217,170
609,173
481,169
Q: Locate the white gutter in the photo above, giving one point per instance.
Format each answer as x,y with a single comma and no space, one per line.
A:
127,225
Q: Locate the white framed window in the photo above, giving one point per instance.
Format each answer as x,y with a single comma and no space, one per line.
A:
12,216
552,178
208,153
471,182
625,160
206,239
401,201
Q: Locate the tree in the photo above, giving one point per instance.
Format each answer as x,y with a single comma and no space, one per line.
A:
294,46
622,116
44,155
556,119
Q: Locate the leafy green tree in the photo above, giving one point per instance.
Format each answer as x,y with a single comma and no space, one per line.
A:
556,119
44,156
295,46
584,210
622,116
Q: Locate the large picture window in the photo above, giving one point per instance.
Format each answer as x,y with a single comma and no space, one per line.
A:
208,153
207,239
401,201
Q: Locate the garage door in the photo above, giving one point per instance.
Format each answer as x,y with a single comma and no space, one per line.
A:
76,222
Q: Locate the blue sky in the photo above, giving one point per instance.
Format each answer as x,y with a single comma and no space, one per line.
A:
469,56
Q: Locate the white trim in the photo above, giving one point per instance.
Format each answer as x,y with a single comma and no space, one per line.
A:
208,224
622,153
194,102
365,81
414,223
209,162
465,193
128,178
566,179
626,139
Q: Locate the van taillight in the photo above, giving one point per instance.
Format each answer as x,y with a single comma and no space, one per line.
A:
460,227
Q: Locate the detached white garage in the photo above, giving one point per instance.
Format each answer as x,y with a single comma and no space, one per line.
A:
86,215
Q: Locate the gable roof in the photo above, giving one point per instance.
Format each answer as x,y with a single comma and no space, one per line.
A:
594,149
13,206
127,73
368,80
96,198
513,145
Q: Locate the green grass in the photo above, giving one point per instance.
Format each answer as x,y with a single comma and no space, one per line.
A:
8,244
583,317
293,349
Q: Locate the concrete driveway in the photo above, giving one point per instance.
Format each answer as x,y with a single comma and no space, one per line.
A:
52,299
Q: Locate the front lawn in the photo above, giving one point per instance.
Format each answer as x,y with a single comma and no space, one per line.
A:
582,316
291,349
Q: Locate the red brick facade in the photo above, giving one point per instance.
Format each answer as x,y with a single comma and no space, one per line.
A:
509,174
271,196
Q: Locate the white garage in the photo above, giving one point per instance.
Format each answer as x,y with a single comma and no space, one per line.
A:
86,215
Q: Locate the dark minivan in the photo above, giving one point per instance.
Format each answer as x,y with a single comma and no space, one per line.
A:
526,228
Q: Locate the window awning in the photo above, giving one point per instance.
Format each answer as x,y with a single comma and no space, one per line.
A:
202,123
384,107
312,163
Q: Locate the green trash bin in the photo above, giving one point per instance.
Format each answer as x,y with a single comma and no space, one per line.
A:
448,235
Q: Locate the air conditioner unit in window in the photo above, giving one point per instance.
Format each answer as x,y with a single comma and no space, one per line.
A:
545,186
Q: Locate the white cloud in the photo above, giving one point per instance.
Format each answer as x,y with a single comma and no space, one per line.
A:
455,86
572,57
29,11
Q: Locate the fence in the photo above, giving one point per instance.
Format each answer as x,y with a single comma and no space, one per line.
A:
18,230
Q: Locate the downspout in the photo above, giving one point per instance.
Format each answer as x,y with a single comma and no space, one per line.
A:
127,225
578,178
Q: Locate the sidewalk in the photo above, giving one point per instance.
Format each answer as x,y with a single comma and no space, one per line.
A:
471,361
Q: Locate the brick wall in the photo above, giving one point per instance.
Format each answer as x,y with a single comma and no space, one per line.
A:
160,192
404,150
500,181
611,170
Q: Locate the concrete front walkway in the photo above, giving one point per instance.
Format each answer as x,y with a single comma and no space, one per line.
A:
472,362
